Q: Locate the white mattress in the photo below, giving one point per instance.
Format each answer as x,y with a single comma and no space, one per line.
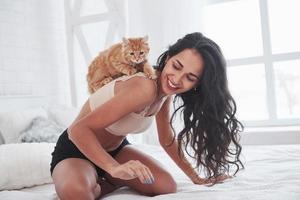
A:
272,172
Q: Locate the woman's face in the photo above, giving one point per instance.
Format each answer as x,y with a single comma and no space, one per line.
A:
181,72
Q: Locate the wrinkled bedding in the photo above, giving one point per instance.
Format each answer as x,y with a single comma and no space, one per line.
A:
271,172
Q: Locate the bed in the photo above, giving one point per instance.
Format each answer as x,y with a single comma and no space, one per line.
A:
271,171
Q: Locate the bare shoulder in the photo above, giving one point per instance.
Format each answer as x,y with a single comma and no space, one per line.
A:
136,93
146,87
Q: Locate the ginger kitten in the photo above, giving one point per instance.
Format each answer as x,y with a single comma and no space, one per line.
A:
127,57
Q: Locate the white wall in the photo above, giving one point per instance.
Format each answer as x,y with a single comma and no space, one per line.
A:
32,50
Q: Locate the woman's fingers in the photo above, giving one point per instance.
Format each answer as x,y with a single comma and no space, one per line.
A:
223,177
131,172
147,175
142,172
150,175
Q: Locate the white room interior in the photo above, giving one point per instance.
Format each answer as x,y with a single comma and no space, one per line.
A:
46,47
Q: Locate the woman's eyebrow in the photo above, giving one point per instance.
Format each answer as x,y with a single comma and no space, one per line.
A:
190,72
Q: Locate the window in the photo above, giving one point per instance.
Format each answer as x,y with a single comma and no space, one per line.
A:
251,90
260,40
92,25
287,90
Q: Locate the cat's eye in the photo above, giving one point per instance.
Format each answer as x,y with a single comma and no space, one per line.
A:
141,53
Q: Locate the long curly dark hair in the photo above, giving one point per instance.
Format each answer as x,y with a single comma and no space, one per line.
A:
210,126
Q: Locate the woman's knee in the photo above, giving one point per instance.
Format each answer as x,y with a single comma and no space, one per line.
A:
164,184
76,179
76,190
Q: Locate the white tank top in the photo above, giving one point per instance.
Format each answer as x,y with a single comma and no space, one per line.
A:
132,123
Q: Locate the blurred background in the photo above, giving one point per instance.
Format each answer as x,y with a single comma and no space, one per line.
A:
47,45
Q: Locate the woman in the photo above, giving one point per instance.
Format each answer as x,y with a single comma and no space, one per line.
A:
92,157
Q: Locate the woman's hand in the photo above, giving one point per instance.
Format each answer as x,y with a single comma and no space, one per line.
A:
201,181
133,169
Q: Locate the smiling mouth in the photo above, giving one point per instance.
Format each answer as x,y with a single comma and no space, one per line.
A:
171,85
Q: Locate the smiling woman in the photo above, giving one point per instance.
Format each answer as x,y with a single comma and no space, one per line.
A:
95,147
182,72
210,125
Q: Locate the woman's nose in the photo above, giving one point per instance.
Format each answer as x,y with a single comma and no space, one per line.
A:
176,80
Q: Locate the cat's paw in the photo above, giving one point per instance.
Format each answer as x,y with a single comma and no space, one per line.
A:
129,71
100,84
107,80
150,73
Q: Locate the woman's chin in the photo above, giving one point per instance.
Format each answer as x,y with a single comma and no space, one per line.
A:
167,91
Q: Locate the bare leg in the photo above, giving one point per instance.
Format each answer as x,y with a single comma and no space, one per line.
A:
163,184
76,178
107,187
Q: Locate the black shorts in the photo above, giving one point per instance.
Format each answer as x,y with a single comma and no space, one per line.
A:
65,148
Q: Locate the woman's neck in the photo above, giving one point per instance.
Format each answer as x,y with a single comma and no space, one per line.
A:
160,93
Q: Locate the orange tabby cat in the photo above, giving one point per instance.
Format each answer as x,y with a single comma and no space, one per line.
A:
127,57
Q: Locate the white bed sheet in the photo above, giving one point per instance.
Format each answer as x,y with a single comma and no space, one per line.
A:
272,172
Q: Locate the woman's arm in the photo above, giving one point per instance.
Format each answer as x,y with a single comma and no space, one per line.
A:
138,93
165,135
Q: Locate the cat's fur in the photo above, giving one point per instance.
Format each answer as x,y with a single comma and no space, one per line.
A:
127,57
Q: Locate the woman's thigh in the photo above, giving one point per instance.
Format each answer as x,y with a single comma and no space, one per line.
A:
163,183
76,178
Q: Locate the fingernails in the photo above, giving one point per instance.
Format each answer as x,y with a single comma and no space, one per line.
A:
152,180
148,181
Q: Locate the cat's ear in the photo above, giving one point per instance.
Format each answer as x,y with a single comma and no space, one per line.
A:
145,38
125,41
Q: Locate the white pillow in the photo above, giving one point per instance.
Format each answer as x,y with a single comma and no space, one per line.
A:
25,165
62,115
41,130
1,139
13,123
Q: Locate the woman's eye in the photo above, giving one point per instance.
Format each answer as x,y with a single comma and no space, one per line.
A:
175,66
191,79
132,53
141,53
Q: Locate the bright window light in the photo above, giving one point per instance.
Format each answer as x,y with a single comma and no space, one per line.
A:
262,79
235,26
284,25
287,81
248,87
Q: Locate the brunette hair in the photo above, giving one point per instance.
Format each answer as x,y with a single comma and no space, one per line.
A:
210,126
